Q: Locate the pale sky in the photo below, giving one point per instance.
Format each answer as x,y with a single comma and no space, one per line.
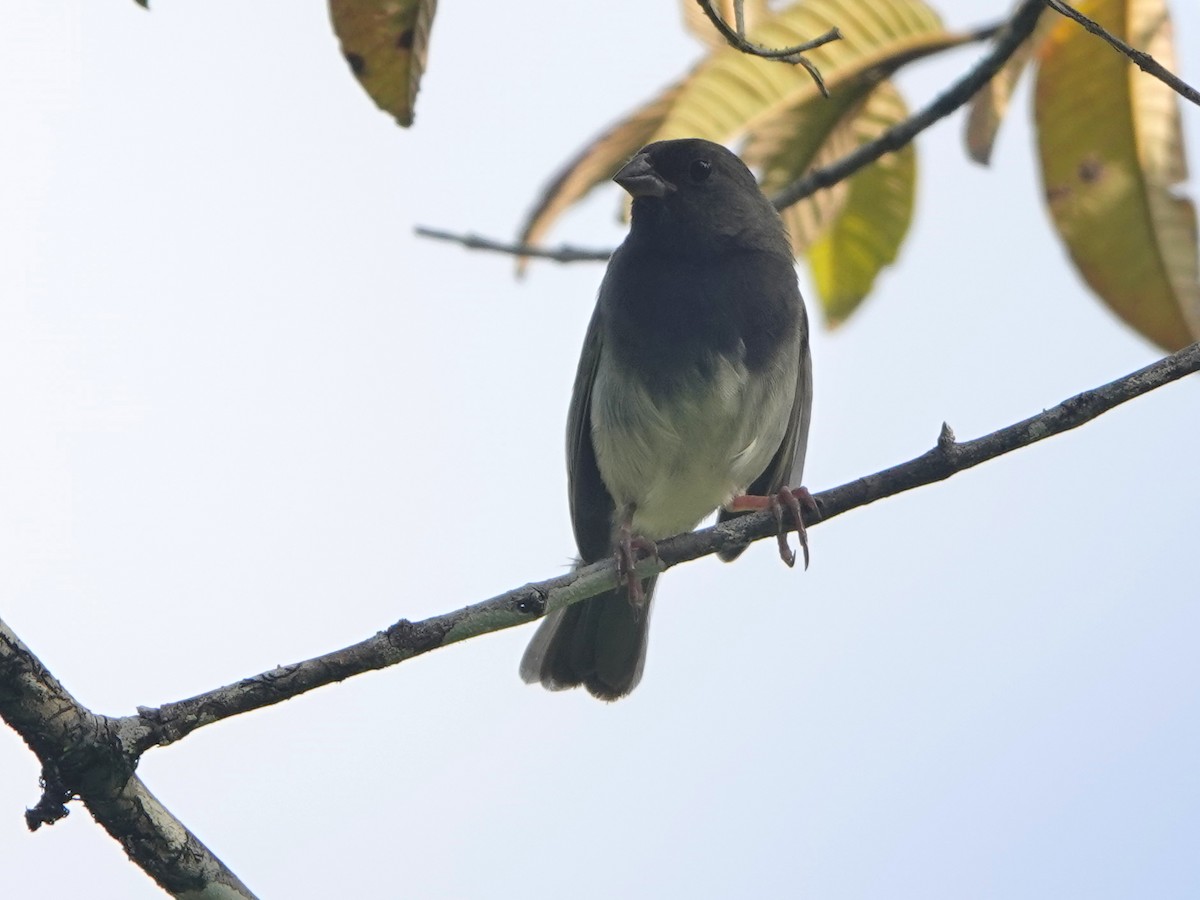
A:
246,412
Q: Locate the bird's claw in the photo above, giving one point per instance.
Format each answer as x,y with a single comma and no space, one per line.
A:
796,500
786,553
630,548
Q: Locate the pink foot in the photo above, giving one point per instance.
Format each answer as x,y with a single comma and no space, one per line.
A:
795,500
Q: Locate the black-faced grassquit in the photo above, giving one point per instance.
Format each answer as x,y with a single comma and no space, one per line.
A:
694,390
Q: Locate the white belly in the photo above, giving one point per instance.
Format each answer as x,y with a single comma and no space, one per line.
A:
677,459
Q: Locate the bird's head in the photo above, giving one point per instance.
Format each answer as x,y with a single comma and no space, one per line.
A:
694,195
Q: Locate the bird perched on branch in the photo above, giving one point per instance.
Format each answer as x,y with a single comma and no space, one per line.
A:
693,394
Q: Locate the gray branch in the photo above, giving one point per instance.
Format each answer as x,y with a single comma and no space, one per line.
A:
92,757
83,755
405,639
1014,33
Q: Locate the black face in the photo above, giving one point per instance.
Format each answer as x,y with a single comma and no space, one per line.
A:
691,164
705,198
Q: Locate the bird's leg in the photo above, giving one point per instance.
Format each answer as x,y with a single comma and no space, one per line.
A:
795,500
629,548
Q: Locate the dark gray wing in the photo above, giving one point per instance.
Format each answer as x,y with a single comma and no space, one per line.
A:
591,504
601,642
786,468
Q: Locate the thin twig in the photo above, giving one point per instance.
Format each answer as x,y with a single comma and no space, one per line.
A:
404,640
1141,59
793,55
563,254
1011,36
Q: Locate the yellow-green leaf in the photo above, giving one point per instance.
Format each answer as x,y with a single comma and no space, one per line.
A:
989,106
809,134
386,42
596,163
866,234
788,146
730,93
1111,152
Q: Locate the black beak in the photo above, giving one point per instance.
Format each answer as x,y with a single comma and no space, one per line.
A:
639,178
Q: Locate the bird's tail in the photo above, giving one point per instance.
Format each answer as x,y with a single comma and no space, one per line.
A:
599,643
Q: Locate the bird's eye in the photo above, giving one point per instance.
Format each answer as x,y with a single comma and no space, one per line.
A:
700,170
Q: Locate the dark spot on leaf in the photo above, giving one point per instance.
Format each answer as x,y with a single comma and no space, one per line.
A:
405,40
1056,193
1090,170
358,65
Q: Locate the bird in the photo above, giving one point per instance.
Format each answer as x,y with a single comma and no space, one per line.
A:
693,394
